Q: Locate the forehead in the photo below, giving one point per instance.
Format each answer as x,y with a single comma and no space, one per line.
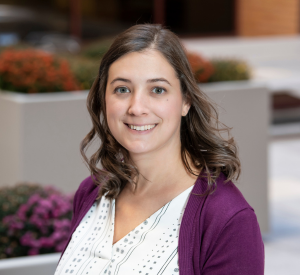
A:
145,64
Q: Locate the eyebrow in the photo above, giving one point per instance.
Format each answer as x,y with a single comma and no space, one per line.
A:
153,80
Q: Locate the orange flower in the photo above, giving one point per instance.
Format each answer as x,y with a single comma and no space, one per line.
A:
32,71
201,68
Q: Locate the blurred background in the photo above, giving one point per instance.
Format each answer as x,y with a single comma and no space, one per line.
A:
244,54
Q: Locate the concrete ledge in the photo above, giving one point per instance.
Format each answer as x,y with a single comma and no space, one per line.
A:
30,265
40,136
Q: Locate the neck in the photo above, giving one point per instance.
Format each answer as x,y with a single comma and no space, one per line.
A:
159,169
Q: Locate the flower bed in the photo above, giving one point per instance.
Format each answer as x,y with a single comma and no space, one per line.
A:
34,220
218,69
33,71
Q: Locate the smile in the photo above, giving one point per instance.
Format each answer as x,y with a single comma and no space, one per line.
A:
141,127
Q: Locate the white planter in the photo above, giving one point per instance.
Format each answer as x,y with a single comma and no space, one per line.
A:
245,106
40,136
30,265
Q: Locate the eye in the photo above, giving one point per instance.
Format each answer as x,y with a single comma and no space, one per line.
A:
158,90
122,90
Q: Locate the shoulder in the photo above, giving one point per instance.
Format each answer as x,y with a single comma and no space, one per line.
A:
85,189
230,233
226,206
228,224
86,186
226,202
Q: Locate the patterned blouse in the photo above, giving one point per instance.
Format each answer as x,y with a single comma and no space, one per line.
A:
150,248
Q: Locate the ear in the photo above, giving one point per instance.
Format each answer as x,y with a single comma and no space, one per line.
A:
185,108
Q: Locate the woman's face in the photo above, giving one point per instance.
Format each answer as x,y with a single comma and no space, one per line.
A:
144,103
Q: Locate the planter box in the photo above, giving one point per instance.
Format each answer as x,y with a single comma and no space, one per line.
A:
245,106
40,136
30,265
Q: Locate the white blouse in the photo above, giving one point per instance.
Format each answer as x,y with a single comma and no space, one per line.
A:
150,248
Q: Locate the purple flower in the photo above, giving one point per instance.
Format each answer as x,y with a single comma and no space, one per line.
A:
45,203
33,251
22,212
60,246
37,221
41,222
62,207
46,242
64,224
13,223
28,240
34,199
8,219
56,212
8,250
16,225
41,212
57,236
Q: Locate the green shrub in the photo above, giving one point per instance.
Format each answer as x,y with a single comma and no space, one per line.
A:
97,49
229,70
85,70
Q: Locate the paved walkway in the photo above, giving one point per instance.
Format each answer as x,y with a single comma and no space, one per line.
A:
282,245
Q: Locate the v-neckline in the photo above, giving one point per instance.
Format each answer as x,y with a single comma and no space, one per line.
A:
126,236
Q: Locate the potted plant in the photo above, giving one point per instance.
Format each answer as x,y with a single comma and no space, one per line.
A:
43,118
34,220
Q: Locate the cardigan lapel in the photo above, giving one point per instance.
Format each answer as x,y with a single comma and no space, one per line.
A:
87,204
189,238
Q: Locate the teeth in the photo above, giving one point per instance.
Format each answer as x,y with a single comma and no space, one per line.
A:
141,128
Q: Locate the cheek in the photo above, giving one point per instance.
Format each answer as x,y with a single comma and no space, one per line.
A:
170,110
113,112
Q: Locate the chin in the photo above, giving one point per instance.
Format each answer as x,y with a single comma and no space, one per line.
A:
138,148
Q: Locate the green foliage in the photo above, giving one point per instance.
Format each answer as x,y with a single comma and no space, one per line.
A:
97,49
229,70
85,70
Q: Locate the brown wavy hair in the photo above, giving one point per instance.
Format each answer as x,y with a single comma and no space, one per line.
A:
202,140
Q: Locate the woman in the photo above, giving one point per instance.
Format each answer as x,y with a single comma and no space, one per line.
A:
164,202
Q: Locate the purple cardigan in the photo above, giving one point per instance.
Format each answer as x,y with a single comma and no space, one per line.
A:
219,233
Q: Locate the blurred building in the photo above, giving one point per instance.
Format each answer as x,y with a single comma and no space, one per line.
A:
94,18
267,17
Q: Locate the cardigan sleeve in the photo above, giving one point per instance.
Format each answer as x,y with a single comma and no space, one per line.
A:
83,191
238,249
75,209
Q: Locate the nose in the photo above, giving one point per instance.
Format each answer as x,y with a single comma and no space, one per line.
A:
138,103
